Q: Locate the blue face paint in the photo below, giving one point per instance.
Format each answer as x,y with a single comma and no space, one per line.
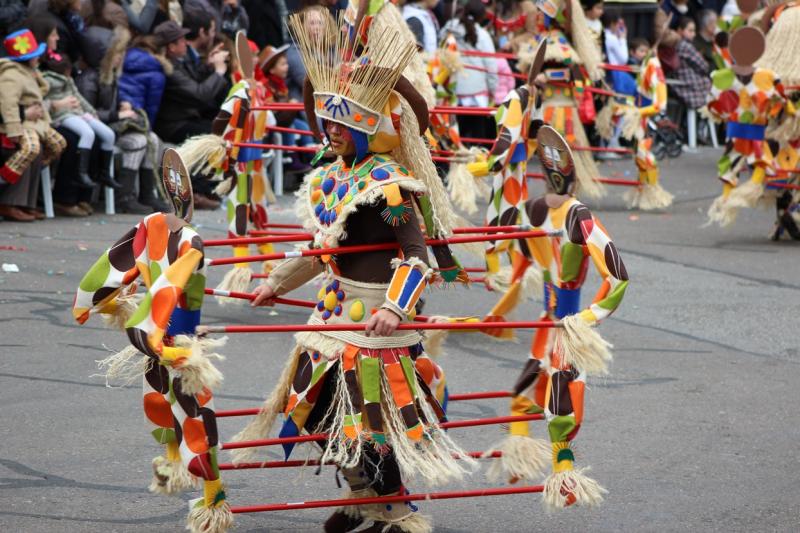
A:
361,140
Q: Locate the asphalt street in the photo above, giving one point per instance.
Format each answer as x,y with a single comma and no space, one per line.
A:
695,429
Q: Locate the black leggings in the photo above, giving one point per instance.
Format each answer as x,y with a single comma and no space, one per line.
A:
382,470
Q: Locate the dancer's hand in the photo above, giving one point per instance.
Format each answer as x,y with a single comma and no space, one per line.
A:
383,323
265,296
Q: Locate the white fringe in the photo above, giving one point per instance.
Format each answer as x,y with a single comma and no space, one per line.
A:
604,122
224,187
721,212
171,477
434,340
260,426
413,523
236,279
746,195
648,197
587,491
202,153
523,458
204,519
462,189
128,365
124,307
197,372
631,123
582,347
433,459
344,455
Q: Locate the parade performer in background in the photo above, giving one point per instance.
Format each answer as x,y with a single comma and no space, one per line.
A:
508,163
781,22
372,392
167,254
631,115
244,182
571,65
746,98
553,379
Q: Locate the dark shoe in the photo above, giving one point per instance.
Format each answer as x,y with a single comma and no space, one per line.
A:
132,207
339,522
35,213
86,206
10,212
69,211
82,179
147,192
104,174
204,202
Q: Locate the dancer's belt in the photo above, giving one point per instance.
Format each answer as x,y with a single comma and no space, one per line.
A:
740,130
183,322
567,301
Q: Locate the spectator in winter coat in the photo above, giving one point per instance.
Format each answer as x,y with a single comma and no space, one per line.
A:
11,12
706,30
270,28
693,72
70,27
144,76
423,24
195,88
314,20
25,122
234,18
138,145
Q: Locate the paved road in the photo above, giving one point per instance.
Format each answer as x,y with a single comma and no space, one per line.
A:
695,429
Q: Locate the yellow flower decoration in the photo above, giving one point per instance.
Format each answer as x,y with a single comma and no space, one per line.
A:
22,45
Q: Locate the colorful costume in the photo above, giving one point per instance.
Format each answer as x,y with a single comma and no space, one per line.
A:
650,100
167,254
376,396
241,169
553,379
572,61
746,98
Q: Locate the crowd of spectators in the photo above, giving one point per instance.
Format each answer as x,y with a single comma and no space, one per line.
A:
97,88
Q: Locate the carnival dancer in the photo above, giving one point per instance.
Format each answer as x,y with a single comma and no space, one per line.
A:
571,65
508,163
632,116
167,254
781,22
244,182
553,379
746,98
371,391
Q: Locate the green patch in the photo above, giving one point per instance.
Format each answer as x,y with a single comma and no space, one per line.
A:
571,260
141,312
565,454
97,275
371,379
155,271
411,377
195,291
559,427
164,435
534,410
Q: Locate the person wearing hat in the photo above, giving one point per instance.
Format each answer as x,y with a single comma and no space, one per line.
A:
275,66
194,90
25,117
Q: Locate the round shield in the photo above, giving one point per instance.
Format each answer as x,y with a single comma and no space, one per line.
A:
177,184
244,56
746,46
556,158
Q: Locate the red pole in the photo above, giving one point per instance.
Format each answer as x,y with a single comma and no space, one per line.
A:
316,462
294,237
378,247
609,181
504,491
322,436
452,398
292,328
283,147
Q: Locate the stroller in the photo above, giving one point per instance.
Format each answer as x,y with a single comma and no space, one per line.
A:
667,137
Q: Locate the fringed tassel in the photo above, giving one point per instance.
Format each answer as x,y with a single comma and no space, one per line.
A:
532,282
224,187
260,426
202,153
434,338
499,281
120,310
236,280
777,57
356,511
462,189
746,195
582,347
631,123
413,523
432,460
522,458
345,454
585,168
197,372
648,197
204,519
604,122
171,477
451,60
562,489
721,212
127,365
